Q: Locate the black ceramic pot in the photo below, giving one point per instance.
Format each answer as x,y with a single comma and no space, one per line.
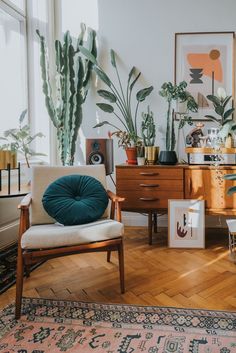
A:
168,157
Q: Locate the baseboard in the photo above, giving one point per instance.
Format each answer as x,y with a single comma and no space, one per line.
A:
141,220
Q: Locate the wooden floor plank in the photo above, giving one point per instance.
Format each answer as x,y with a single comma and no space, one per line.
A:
155,275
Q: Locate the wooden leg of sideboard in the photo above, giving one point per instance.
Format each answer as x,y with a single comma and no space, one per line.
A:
150,228
155,222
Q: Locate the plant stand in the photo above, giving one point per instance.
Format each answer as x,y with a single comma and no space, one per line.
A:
9,169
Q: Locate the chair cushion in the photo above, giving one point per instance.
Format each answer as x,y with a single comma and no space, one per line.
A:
56,235
75,199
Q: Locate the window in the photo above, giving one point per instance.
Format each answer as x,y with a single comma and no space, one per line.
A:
13,88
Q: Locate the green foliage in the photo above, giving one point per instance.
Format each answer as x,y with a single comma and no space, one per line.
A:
225,118
148,128
20,139
231,189
72,79
120,96
171,93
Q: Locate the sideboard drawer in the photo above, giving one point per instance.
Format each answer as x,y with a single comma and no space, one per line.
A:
149,173
149,200
152,185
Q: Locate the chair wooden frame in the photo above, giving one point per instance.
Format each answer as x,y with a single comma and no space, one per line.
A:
25,257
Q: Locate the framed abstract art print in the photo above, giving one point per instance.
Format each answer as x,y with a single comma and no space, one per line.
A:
186,224
205,60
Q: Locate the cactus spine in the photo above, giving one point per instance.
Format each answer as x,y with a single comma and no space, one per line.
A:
72,83
148,128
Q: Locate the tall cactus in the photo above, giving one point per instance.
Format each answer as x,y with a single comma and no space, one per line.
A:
72,83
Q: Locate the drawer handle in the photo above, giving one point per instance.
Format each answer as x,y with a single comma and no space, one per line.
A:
150,174
149,185
148,199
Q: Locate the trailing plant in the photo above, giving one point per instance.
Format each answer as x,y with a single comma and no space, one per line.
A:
173,93
225,119
119,96
73,74
20,139
148,128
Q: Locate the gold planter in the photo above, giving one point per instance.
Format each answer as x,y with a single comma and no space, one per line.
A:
151,154
8,157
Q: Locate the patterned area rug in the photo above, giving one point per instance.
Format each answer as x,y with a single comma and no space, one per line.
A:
64,326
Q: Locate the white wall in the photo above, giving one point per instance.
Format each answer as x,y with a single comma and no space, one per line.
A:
142,33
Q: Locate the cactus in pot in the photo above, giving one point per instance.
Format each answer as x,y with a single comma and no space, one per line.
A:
72,83
148,130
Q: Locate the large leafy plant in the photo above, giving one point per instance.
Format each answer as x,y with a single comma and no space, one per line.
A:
173,93
20,139
72,80
224,118
119,96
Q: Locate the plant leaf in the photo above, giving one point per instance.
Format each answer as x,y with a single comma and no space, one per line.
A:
134,81
228,113
231,190
87,54
101,74
107,95
132,71
113,58
105,107
22,116
213,99
230,176
227,99
212,118
219,110
143,93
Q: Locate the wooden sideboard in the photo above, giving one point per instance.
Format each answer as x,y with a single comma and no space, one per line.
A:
148,188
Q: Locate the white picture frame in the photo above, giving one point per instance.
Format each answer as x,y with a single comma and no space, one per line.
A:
186,224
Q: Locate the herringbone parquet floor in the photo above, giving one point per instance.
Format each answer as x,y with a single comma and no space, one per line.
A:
155,275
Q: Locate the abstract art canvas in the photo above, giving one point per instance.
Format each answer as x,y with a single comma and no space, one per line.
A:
186,224
205,61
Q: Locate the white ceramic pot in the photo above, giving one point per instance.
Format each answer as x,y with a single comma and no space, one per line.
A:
141,160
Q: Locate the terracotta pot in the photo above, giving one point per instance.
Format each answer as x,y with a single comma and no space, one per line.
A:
131,153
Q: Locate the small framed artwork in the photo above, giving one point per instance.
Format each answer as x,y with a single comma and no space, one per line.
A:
186,224
205,60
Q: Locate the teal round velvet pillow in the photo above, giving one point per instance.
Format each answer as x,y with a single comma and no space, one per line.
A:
75,199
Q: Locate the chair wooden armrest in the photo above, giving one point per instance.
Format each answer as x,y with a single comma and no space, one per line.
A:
25,202
24,214
115,204
113,197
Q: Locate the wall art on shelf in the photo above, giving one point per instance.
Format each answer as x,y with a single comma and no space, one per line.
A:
205,60
186,224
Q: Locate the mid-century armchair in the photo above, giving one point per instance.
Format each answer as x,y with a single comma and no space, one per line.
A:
40,238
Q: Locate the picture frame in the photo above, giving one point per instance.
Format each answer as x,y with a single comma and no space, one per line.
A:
186,224
205,60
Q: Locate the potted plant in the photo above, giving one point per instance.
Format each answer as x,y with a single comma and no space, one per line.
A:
173,93
124,141
224,121
72,84
141,154
119,97
148,132
20,139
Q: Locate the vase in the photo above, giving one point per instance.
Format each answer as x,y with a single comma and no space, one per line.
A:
151,154
168,157
141,160
131,153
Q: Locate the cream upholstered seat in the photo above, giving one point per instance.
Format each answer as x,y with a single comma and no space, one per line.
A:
55,235
41,238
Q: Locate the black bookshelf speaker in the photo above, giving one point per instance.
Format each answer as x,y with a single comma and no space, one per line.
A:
100,151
